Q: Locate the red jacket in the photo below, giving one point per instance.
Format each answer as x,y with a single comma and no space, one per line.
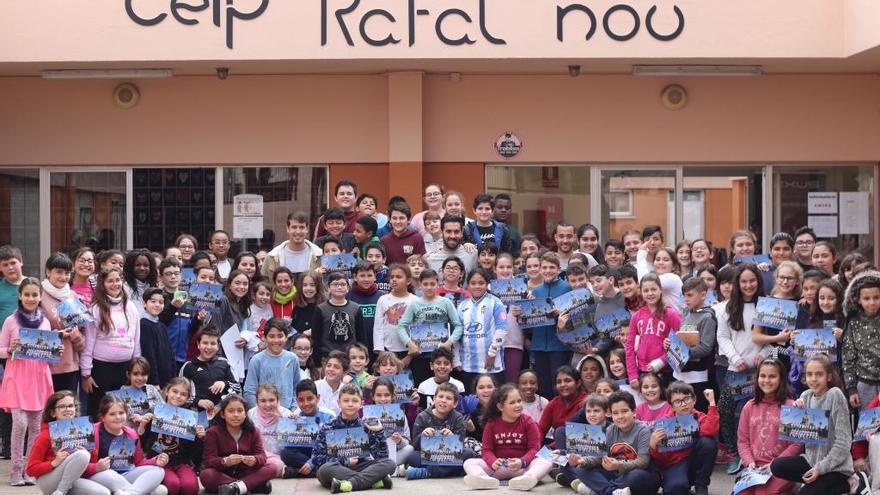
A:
41,457
559,411
518,440
708,428
219,444
139,460
280,310
860,448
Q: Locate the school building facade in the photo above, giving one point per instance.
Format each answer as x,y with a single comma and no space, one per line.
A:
125,123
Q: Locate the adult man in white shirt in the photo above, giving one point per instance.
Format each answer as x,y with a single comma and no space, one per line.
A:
453,234
297,253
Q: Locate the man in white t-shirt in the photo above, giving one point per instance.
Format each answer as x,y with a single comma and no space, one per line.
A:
297,253
453,235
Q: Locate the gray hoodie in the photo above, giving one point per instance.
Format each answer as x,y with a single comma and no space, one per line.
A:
833,457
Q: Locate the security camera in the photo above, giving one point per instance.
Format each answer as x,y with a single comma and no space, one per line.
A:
574,70
222,73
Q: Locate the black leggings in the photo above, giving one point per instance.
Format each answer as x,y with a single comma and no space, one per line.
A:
793,469
108,377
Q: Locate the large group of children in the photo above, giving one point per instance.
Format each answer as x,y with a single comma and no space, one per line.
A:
321,343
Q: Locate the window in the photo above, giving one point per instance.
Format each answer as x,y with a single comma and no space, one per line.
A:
284,190
88,209
20,215
620,203
543,196
173,201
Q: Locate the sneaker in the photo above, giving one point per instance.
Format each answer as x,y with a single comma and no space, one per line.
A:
702,490
56,492
582,488
289,473
400,472
16,479
734,466
523,483
264,488
383,484
416,473
864,487
622,491
228,489
563,479
554,472
340,486
31,481
481,482
160,490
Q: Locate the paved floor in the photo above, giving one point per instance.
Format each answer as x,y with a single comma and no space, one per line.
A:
721,485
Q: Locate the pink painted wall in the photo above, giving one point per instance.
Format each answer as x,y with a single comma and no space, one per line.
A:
89,30
345,119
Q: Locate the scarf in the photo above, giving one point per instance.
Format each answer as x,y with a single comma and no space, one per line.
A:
268,419
29,320
114,300
59,294
284,298
357,289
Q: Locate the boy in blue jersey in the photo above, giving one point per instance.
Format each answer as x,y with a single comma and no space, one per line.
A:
484,318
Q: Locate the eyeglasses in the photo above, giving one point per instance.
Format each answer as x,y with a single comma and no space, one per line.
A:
786,279
699,249
683,402
85,261
433,195
339,284
171,274
804,243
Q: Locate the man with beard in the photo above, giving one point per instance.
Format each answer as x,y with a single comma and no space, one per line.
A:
453,233
566,240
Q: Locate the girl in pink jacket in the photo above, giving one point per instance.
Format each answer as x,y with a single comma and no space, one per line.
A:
650,325
758,433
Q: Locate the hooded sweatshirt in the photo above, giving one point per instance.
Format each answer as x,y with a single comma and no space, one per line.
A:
603,369
366,299
650,331
758,434
860,356
399,248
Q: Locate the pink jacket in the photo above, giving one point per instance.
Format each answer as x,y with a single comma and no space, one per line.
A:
121,344
758,434
650,332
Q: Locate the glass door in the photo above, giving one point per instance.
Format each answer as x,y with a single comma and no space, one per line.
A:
88,209
635,198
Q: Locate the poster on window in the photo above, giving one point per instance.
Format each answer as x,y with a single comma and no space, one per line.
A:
247,216
854,212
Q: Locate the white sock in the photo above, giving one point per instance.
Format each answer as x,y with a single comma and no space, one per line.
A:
242,488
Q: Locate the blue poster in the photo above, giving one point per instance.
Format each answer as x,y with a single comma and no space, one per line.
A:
299,432
429,336
73,313
205,296
741,384
681,432
535,313
175,421
771,312
749,477
809,342
580,305
38,345
611,324
121,453
70,434
403,387
348,442
586,440
390,415
803,425
510,290
869,422
442,450
678,353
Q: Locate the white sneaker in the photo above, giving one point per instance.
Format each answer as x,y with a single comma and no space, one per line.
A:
622,491
160,490
480,482
524,483
400,472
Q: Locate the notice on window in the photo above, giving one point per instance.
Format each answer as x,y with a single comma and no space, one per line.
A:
855,210
247,216
825,226
822,203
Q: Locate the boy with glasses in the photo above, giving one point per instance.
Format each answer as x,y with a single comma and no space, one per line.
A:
804,241
181,321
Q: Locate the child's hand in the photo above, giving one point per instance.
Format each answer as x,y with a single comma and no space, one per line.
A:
666,344
470,248
446,345
783,336
305,470
103,464
764,267
233,459
740,365
61,349
89,385
562,320
516,311
370,381
200,431
799,403
146,418
352,461
219,385
347,379
855,401
811,475
838,333
657,437
415,397
240,343
162,459
202,315
445,432
396,437
575,459
514,464
248,460
860,465
413,348
428,432
610,464
136,418
709,394
497,464
751,465
59,458
177,302
470,425
634,384
490,362
206,404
